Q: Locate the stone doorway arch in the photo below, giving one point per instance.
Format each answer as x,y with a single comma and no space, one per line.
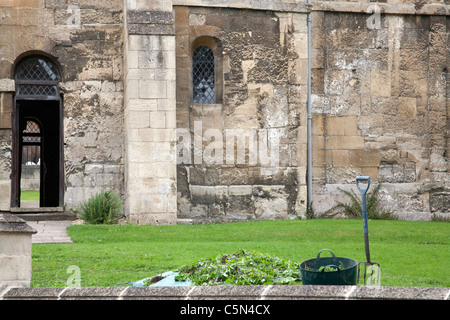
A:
37,100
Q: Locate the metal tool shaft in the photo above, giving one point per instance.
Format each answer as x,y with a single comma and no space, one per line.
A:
364,212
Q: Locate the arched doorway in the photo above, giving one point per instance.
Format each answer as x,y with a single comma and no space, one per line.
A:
37,131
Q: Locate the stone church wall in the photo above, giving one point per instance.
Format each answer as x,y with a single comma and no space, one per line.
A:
380,108
85,38
262,57
380,96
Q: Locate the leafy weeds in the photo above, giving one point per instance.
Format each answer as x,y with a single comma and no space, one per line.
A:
241,268
354,208
103,208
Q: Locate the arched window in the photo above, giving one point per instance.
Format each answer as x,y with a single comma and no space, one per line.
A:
203,74
36,77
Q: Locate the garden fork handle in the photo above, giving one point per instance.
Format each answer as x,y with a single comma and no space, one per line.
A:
364,212
363,178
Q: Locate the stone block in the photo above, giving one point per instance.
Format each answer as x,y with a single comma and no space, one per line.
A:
153,218
15,251
96,68
275,208
410,171
372,172
147,203
139,42
140,74
407,107
142,104
94,168
158,119
317,124
234,176
158,135
157,170
335,126
146,29
5,191
234,190
152,89
171,89
340,158
301,45
5,120
344,142
364,158
166,104
203,194
171,119
138,119
153,59
150,17
7,85
6,104
166,74
380,83
317,81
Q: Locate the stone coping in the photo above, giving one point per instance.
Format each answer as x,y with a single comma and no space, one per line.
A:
271,292
10,223
325,5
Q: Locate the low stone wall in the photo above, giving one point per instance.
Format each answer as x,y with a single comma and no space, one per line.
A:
271,292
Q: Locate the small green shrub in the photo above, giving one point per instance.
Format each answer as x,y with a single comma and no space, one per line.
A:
103,208
241,268
354,208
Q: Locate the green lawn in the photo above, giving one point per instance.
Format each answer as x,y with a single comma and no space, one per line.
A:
29,195
410,253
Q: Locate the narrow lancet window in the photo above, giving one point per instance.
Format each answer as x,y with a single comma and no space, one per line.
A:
203,75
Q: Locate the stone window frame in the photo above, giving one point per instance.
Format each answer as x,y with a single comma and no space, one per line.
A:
216,47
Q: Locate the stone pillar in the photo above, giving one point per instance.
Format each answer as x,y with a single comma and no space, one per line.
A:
150,171
7,87
15,251
438,114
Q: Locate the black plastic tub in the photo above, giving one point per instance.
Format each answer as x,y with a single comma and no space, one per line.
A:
329,270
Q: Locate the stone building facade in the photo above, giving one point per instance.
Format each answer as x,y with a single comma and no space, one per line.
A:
197,109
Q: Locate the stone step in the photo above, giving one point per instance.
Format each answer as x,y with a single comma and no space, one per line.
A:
47,216
50,231
40,214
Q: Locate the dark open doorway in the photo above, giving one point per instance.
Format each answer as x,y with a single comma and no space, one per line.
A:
37,132
47,115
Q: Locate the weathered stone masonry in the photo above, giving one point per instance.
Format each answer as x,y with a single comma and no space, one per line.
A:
150,171
85,38
262,58
380,94
380,103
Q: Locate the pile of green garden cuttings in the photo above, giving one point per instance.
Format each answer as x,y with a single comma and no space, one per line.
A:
241,268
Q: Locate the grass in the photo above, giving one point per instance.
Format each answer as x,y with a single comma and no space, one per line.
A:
29,195
411,253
